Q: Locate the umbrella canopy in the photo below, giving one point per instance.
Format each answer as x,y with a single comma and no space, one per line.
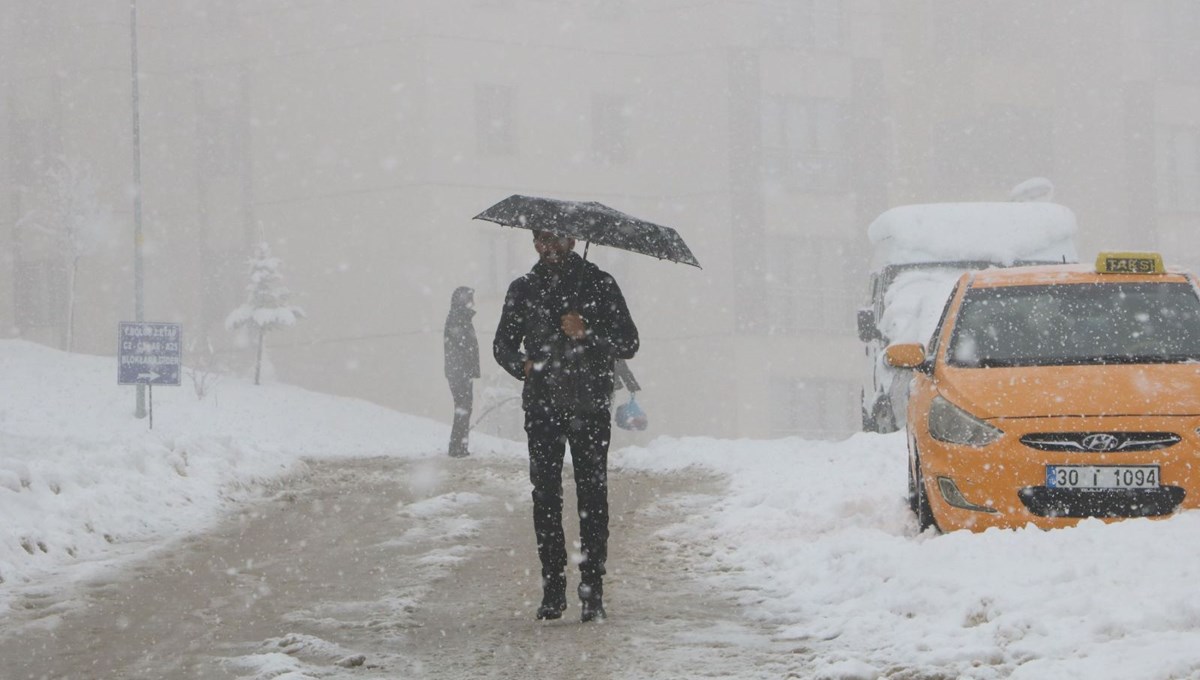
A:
590,222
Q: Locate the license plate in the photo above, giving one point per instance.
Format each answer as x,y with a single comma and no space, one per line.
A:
1102,476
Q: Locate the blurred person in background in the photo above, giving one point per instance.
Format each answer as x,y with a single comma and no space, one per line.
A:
462,365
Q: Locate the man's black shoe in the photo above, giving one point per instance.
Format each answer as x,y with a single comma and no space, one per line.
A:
551,610
592,611
554,598
592,598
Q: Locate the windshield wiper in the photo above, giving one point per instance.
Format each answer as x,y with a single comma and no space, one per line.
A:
1148,358
997,363
1102,360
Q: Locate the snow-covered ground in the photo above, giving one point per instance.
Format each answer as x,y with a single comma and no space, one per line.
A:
814,536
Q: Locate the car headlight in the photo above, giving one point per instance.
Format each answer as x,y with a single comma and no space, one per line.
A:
949,423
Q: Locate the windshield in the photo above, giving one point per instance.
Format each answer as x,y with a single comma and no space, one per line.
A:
1074,324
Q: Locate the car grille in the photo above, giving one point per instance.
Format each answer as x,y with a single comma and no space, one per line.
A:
1047,502
1100,442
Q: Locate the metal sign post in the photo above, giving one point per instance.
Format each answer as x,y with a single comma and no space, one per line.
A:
138,275
148,354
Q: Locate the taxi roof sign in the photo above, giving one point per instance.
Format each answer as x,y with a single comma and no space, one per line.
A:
1130,263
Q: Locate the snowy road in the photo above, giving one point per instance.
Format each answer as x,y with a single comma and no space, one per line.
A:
384,568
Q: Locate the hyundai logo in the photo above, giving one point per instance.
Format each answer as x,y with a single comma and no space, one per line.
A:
1101,441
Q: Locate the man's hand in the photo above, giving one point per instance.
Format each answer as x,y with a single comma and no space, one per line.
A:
573,326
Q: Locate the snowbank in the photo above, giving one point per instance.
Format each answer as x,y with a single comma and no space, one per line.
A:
81,479
816,539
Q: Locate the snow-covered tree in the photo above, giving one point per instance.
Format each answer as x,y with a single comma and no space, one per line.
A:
74,221
266,307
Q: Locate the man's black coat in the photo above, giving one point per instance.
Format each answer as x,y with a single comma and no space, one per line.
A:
568,376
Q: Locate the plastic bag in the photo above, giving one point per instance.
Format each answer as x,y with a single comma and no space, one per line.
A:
630,416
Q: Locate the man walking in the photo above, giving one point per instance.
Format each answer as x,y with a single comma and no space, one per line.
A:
461,365
563,325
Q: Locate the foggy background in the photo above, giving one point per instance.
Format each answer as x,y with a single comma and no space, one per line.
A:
359,137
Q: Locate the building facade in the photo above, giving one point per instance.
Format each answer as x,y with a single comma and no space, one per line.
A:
359,139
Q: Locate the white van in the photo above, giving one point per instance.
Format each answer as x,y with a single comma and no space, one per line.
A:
919,252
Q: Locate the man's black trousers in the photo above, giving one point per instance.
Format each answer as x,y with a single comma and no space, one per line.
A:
588,435
464,394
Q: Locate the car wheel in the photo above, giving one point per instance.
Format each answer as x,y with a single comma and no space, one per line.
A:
884,420
868,416
879,418
868,422
920,501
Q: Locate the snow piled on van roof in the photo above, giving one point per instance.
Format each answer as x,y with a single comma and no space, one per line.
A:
994,232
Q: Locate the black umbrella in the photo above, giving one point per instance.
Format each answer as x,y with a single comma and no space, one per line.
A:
590,222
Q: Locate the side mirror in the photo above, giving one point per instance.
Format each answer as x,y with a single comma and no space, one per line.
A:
905,355
867,330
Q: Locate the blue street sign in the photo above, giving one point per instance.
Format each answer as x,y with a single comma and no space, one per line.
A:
149,353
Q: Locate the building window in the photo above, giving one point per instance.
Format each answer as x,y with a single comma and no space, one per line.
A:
1177,161
503,263
41,293
807,24
223,286
808,288
607,10
994,149
1178,24
814,408
610,129
219,147
994,29
222,14
34,143
955,34
803,144
494,125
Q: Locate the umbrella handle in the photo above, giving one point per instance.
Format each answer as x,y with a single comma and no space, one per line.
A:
585,248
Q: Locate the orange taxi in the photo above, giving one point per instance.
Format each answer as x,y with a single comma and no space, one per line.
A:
1053,393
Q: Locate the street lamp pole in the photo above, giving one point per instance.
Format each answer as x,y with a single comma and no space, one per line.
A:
138,277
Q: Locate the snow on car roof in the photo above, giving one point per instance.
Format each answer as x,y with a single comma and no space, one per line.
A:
996,232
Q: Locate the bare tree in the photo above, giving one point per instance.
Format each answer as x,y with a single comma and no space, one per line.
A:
74,221
204,371
266,307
